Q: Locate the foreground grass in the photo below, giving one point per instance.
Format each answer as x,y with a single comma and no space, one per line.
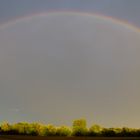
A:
16,137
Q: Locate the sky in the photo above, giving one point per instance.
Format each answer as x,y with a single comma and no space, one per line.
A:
66,65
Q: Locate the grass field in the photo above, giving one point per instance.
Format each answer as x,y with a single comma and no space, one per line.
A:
65,138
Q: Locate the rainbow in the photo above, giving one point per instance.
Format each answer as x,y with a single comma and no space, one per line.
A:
94,15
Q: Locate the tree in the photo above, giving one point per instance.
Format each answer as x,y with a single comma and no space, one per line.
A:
79,127
63,131
50,130
5,127
95,130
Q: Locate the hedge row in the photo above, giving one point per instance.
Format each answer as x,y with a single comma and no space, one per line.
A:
79,128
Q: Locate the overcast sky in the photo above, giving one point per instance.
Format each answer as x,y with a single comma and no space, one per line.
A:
64,66
122,9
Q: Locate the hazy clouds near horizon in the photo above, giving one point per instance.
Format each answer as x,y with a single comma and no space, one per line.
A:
61,67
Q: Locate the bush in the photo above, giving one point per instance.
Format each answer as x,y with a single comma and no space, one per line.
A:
79,128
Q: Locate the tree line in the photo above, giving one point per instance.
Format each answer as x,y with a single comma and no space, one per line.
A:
79,128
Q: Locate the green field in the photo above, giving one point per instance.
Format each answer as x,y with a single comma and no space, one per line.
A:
6,137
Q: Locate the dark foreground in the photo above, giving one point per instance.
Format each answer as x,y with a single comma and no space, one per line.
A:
65,138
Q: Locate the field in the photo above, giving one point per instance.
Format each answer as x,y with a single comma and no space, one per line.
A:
65,138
